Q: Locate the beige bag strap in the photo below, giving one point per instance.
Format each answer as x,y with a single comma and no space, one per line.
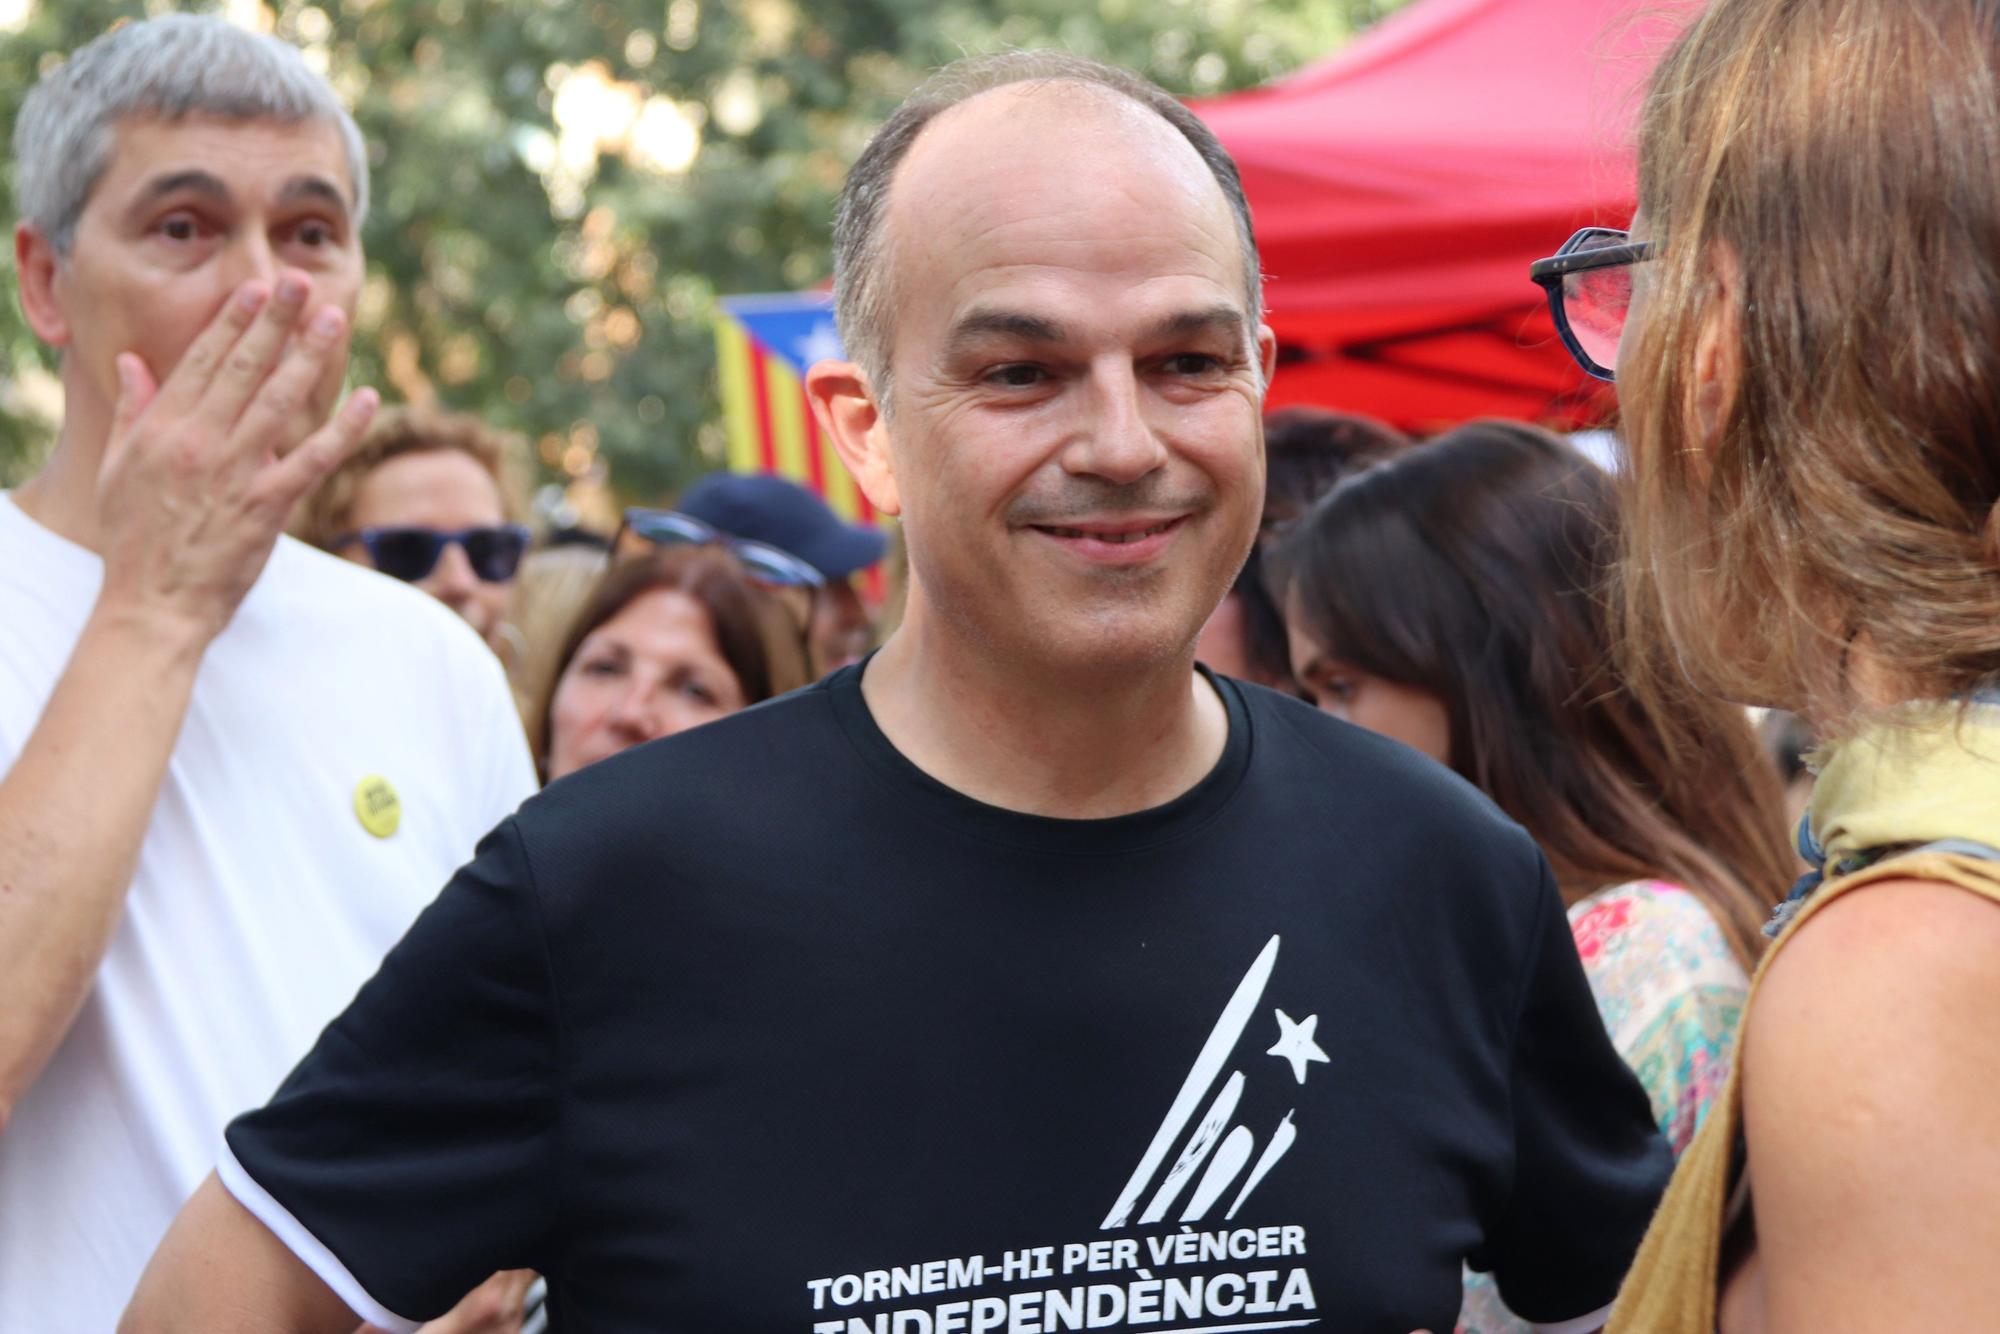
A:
1671,1287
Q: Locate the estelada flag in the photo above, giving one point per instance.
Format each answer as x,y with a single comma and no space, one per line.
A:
764,345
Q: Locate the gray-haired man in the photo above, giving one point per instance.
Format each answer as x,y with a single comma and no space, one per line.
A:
232,769
1021,978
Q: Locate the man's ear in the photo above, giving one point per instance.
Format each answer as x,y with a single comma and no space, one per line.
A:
845,405
1267,352
36,261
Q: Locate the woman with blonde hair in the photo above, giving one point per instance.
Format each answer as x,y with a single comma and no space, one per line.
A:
1805,326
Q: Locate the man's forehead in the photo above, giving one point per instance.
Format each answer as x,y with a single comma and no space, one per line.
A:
257,157
1057,175
1025,138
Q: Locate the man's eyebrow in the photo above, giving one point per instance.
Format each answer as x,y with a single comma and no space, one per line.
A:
313,187
1007,323
194,179
1225,319
1213,319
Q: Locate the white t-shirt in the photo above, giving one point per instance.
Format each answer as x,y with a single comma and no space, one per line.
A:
261,901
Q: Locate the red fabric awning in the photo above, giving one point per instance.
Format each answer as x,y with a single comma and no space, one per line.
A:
1401,188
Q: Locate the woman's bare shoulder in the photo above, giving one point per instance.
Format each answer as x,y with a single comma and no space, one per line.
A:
1871,1083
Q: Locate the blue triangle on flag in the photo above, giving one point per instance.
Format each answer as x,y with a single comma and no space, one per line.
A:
797,326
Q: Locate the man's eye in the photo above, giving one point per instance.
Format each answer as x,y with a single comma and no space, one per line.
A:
1021,376
178,227
313,234
1193,363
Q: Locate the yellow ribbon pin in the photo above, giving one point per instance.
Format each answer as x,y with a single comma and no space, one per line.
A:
378,806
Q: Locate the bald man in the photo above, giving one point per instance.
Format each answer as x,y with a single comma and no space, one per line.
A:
1023,977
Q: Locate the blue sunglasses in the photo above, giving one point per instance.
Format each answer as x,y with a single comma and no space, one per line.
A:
410,553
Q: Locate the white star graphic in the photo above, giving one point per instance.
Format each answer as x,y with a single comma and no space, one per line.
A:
821,343
1295,1044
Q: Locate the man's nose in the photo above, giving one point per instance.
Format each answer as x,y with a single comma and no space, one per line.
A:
1115,442
250,256
451,581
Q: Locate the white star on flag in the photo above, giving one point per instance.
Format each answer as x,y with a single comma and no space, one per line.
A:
1295,1044
821,343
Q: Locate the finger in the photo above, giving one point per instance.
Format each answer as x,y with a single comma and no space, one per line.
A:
136,390
190,377
276,418
287,479
250,359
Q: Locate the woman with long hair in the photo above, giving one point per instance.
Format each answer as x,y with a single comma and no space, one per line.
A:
1457,597
1805,328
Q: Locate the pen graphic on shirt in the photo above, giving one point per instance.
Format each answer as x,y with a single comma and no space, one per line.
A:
1224,1156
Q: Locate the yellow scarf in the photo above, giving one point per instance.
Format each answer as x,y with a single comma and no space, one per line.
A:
1926,777
1929,776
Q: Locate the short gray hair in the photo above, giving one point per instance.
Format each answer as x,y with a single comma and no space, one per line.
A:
170,67
862,299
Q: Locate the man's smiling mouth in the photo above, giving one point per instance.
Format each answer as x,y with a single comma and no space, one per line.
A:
1105,535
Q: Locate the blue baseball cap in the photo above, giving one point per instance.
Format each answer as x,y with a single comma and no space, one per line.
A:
763,507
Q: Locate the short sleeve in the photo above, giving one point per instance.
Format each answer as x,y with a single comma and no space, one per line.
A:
411,1153
1589,1162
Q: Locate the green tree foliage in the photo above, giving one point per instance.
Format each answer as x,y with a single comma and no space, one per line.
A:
563,187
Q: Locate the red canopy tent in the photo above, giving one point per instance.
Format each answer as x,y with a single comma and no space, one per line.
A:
1401,188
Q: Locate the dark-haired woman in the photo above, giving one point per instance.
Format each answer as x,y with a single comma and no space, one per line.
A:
1455,598
1306,450
668,640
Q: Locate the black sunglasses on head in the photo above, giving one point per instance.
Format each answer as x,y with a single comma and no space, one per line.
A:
1589,283
411,553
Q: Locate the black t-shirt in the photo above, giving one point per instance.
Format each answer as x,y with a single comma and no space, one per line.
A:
760,1028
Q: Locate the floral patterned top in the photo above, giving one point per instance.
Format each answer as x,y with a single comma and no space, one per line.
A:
1671,995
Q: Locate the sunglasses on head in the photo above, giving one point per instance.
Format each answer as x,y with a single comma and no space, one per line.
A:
410,553
764,563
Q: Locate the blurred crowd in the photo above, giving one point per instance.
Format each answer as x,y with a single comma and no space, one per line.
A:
747,588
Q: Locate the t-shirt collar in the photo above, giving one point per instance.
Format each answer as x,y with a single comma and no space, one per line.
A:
917,791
